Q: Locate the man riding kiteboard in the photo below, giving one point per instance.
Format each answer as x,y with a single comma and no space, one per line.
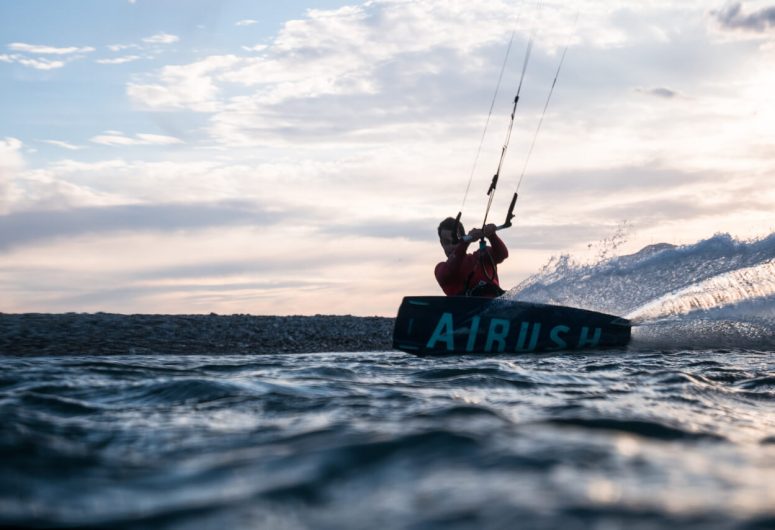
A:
464,274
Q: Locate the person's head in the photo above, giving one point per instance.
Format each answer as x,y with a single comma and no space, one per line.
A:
447,237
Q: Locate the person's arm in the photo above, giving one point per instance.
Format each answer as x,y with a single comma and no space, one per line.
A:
498,251
450,268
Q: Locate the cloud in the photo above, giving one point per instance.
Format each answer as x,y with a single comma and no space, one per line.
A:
41,63
161,38
11,163
363,72
149,45
218,267
596,182
25,228
37,64
246,22
655,210
526,236
118,138
256,48
64,145
35,189
47,50
183,87
364,121
732,17
335,53
10,156
554,237
415,229
203,297
122,47
158,139
119,60
660,92
230,268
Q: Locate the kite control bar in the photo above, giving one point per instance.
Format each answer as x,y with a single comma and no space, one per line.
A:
510,213
506,224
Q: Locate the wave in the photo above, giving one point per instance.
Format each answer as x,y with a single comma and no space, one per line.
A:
643,428
718,292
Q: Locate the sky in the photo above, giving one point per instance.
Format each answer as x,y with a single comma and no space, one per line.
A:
171,156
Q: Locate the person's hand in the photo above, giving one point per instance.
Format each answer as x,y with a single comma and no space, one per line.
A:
476,233
489,230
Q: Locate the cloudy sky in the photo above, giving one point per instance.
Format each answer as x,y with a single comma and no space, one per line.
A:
171,156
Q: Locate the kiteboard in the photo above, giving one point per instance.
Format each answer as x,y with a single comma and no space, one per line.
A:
441,325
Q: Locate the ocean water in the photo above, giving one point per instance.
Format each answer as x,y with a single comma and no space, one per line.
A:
676,431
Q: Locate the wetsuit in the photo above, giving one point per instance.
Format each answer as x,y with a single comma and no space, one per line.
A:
472,274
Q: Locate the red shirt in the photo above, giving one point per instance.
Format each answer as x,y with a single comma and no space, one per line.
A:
463,271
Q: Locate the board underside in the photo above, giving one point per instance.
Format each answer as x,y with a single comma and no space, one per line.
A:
443,325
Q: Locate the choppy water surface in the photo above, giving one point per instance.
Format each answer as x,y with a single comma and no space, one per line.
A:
676,431
602,440
719,292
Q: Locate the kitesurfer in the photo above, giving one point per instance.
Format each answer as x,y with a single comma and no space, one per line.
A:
464,274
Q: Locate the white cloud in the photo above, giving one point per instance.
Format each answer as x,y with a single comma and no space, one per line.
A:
41,64
38,191
32,51
354,279
158,139
37,64
52,189
11,162
64,145
353,77
364,122
115,138
47,50
119,60
189,86
246,22
122,47
9,152
161,38
149,45
256,48
351,52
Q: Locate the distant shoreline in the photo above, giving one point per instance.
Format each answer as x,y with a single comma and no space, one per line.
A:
115,334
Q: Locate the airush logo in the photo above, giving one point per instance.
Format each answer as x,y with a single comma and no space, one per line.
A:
502,335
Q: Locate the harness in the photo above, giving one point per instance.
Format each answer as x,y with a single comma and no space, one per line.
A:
483,288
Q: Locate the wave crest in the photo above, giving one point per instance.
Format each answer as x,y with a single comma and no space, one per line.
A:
718,292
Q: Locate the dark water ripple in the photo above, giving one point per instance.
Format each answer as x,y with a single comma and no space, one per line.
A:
361,440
